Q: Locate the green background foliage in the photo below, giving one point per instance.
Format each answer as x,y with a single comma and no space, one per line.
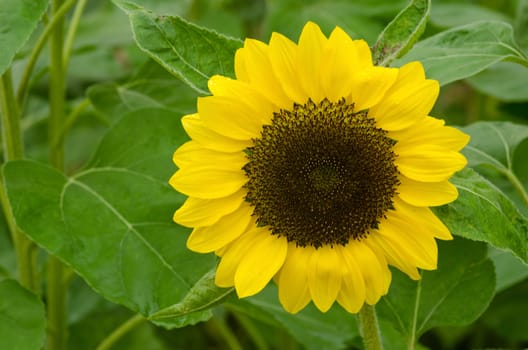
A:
136,67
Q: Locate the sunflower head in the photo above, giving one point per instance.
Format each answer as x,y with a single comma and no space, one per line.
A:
317,169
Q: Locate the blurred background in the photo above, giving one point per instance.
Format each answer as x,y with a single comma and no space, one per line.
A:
107,73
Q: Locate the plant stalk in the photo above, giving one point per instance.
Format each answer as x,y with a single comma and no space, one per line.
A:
25,249
369,329
56,286
56,20
120,331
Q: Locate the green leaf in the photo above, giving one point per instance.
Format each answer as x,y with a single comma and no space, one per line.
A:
507,313
463,51
18,19
401,33
359,19
152,86
22,318
191,53
509,269
200,299
483,213
312,328
496,152
504,80
521,22
113,221
460,13
453,295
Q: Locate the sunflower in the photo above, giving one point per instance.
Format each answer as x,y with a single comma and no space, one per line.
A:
316,169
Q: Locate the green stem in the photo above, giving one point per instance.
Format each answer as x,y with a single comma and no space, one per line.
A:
72,30
56,20
518,185
56,287
252,331
218,326
56,300
11,135
369,329
120,331
25,249
72,117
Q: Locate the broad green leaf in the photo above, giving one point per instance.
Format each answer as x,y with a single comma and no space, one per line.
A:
504,80
22,318
496,151
460,13
200,299
113,221
152,86
483,213
18,19
401,33
453,295
507,313
312,328
191,53
521,23
509,269
360,19
463,51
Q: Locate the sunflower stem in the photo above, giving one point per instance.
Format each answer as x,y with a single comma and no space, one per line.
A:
56,285
519,187
369,329
25,249
120,331
56,20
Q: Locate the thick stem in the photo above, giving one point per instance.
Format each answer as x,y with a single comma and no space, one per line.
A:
25,249
56,286
57,20
120,331
11,135
369,329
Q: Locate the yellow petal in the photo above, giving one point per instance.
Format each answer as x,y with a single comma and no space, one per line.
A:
253,65
432,131
232,254
412,242
325,276
192,154
248,94
352,294
341,65
423,218
206,137
408,100
375,272
370,86
311,45
207,183
230,117
205,212
228,228
283,57
294,294
260,263
425,194
427,163
393,255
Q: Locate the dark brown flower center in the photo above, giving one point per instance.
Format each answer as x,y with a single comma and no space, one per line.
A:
321,174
